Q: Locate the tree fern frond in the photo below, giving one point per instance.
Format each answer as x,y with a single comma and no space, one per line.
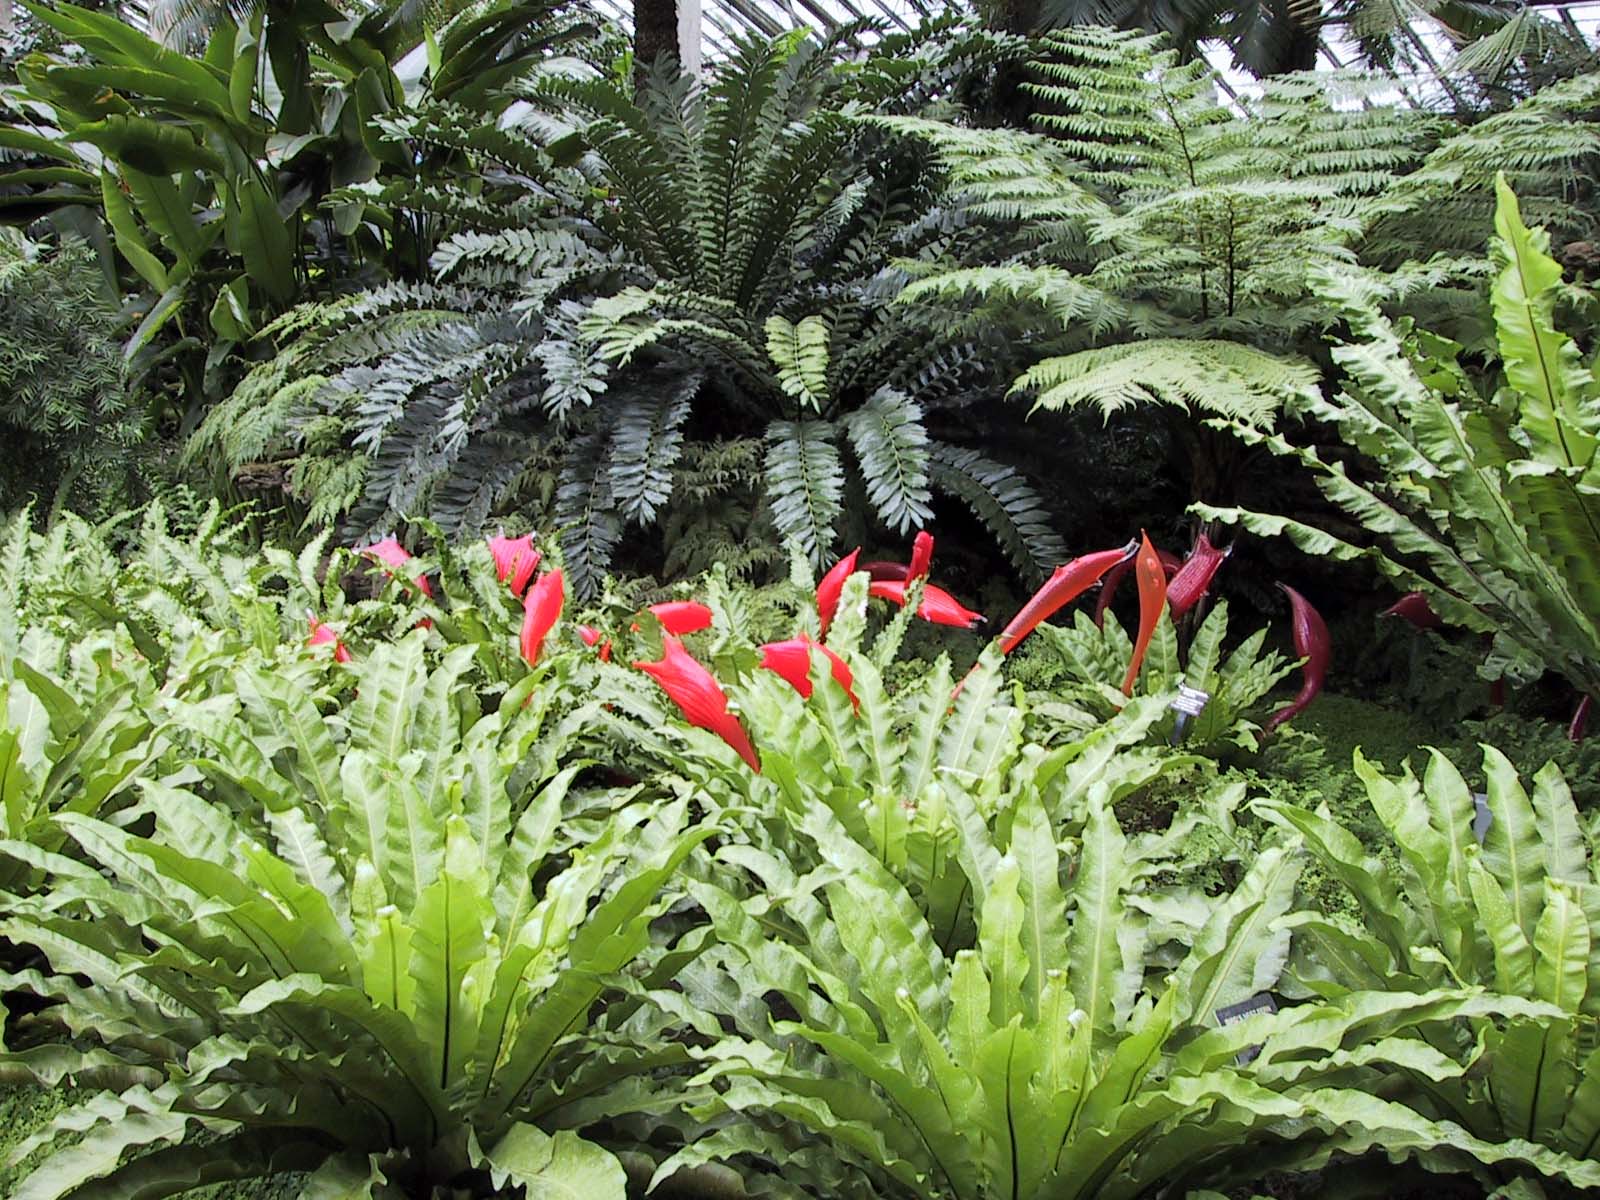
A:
1211,377
892,447
1064,297
805,483
576,374
1004,502
646,441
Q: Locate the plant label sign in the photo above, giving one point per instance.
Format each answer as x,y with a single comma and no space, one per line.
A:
1232,1014
1189,702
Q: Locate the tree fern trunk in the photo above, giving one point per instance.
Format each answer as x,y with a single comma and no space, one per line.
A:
1013,106
655,32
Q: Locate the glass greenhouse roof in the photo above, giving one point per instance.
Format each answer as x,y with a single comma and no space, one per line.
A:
724,20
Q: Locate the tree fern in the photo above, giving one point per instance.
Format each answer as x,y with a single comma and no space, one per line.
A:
1548,146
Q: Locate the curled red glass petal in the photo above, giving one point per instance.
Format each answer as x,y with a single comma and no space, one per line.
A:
590,636
832,585
699,696
322,635
515,561
1151,577
682,616
541,608
1414,609
792,661
393,555
938,605
880,570
1193,579
1065,585
921,556
1311,642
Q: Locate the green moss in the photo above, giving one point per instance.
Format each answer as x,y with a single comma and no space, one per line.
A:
25,1109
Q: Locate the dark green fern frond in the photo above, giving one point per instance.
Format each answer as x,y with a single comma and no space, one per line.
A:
543,258
804,483
450,201
646,442
1004,502
575,369
587,521
891,448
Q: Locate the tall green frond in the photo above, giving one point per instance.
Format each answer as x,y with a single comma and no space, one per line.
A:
586,513
1004,502
891,447
646,442
805,483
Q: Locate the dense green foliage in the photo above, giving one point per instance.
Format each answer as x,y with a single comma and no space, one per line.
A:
1484,500
382,921
71,430
1515,911
629,855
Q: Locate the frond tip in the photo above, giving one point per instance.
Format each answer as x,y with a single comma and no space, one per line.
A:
1216,378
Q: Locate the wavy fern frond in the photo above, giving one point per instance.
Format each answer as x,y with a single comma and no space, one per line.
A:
1004,175
804,483
1208,377
646,442
891,447
1123,102
1066,298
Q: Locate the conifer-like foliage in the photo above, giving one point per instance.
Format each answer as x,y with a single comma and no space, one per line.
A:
69,429
730,285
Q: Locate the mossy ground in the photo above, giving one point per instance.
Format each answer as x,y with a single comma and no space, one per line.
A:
25,1109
